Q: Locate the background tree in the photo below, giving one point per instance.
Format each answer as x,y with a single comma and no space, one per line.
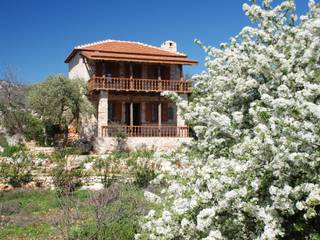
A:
253,173
15,117
60,101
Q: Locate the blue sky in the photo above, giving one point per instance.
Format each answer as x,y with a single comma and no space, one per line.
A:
37,35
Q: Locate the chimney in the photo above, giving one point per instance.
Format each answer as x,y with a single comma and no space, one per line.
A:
169,45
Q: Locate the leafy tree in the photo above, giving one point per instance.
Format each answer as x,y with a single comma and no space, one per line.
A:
12,102
14,114
60,101
253,173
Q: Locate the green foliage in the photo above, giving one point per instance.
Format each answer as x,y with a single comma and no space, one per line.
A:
120,136
34,129
143,174
59,101
16,170
65,177
10,150
3,140
121,217
142,167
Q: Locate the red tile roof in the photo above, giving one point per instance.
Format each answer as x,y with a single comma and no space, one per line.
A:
129,51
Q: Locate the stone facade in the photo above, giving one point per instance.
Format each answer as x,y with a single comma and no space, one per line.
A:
106,144
102,111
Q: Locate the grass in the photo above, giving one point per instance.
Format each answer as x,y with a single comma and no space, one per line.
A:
32,214
28,214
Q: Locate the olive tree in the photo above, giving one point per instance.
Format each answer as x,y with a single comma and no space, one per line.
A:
60,101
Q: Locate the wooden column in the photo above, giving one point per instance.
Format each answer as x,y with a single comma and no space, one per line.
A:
159,114
131,71
159,78
131,76
131,114
159,72
123,112
104,72
159,119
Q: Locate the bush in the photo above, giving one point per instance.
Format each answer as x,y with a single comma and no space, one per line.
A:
119,209
106,167
10,150
66,178
35,130
3,140
143,174
9,208
84,146
120,136
16,170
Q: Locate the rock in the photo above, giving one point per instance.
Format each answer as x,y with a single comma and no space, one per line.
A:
30,185
75,161
95,187
15,139
88,166
5,187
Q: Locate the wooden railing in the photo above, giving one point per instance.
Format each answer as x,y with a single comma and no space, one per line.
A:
147,131
140,85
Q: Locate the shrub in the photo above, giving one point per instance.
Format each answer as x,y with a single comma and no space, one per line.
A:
143,173
16,170
3,140
120,136
9,208
117,211
66,178
10,150
106,168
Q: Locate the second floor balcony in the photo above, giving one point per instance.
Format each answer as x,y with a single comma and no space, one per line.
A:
138,84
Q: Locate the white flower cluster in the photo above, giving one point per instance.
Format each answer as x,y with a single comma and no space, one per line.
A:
254,170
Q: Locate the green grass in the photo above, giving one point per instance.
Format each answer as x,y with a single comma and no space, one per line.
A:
32,231
31,201
32,214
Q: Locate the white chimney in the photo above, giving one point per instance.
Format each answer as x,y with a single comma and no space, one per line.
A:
169,45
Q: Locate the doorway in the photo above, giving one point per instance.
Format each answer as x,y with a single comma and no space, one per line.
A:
136,114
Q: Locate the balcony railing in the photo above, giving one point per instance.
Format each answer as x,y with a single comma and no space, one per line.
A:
140,85
147,131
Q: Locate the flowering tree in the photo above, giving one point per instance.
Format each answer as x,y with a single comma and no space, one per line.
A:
253,172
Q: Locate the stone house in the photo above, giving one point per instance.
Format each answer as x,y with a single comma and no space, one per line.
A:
125,81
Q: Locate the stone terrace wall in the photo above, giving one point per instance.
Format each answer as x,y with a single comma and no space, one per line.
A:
106,144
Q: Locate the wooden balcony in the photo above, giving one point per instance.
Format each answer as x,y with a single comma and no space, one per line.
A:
139,85
148,131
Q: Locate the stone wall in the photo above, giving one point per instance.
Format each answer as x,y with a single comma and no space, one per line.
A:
105,144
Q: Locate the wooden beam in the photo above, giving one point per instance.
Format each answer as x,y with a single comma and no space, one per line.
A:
128,98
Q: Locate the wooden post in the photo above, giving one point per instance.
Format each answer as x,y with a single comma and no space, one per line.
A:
131,76
159,72
159,118
159,78
104,69
131,114
123,112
